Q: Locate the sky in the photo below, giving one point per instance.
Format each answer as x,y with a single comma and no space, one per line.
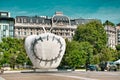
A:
95,9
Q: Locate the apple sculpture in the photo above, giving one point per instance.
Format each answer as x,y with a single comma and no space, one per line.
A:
45,50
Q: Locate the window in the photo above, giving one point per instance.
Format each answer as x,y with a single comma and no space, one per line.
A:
31,33
10,27
31,20
5,27
18,20
37,29
36,20
11,33
18,28
25,20
21,20
0,26
24,33
18,32
37,33
4,33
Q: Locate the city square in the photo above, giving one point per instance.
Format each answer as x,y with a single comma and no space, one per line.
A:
60,40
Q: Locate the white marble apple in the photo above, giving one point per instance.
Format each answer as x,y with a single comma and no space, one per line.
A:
45,50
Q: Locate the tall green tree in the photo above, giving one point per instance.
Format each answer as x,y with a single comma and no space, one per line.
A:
92,32
118,47
107,54
13,51
118,55
77,54
118,51
108,23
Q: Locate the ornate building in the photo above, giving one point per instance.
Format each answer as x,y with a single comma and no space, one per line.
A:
111,34
58,24
118,33
6,25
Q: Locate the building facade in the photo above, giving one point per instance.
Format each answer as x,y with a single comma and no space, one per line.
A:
118,33
58,24
111,36
6,25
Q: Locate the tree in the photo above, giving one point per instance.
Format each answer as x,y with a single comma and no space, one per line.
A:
71,49
87,48
118,51
77,54
118,47
118,55
118,24
13,51
108,23
96,59
92,32
107,54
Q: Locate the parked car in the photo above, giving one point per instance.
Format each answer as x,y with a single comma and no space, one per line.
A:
92,68
65,68
111,66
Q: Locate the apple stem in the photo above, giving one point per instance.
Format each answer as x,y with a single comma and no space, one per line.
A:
44,29
51,29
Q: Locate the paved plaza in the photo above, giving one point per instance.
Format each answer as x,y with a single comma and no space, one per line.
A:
74,75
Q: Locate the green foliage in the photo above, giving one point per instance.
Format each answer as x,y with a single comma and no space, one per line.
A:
96,59
118,24
21,58
89,46
117,55
13,51
118,47
107,54
118,51
93,33
108,23
77,54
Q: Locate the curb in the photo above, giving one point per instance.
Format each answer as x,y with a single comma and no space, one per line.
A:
11,72
22,71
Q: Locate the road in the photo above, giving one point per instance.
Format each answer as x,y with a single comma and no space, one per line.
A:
75,75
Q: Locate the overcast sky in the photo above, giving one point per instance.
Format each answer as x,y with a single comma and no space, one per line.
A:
98,9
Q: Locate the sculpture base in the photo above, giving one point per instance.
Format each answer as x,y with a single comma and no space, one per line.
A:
46,71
